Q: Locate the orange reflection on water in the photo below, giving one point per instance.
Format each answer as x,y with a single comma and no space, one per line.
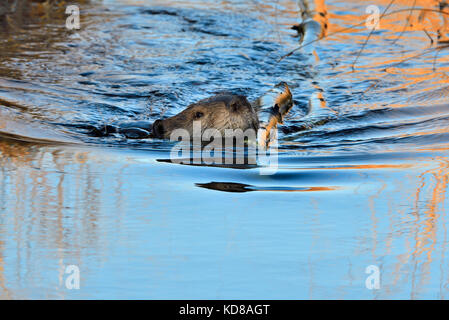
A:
402,16
406,36
366,166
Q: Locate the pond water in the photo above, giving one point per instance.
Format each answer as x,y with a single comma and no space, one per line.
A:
362,170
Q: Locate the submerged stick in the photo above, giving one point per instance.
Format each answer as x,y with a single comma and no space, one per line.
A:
282,105
314,20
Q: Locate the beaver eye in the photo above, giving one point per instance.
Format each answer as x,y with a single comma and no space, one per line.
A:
198,114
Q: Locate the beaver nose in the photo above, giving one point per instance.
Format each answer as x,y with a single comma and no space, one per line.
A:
158,129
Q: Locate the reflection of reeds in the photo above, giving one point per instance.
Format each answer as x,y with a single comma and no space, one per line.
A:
14,13
4,292
426,224
427,19
421,236
404,24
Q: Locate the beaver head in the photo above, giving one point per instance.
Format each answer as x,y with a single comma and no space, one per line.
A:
221,112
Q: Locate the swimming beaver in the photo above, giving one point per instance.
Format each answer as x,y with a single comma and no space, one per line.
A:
221,112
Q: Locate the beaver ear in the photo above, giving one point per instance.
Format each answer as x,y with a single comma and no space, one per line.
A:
234,106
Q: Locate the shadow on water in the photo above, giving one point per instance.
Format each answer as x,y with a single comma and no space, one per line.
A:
240,187
362,168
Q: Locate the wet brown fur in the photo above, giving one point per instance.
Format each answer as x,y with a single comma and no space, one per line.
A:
221,112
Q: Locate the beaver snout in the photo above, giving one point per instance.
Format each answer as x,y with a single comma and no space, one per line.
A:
158,129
